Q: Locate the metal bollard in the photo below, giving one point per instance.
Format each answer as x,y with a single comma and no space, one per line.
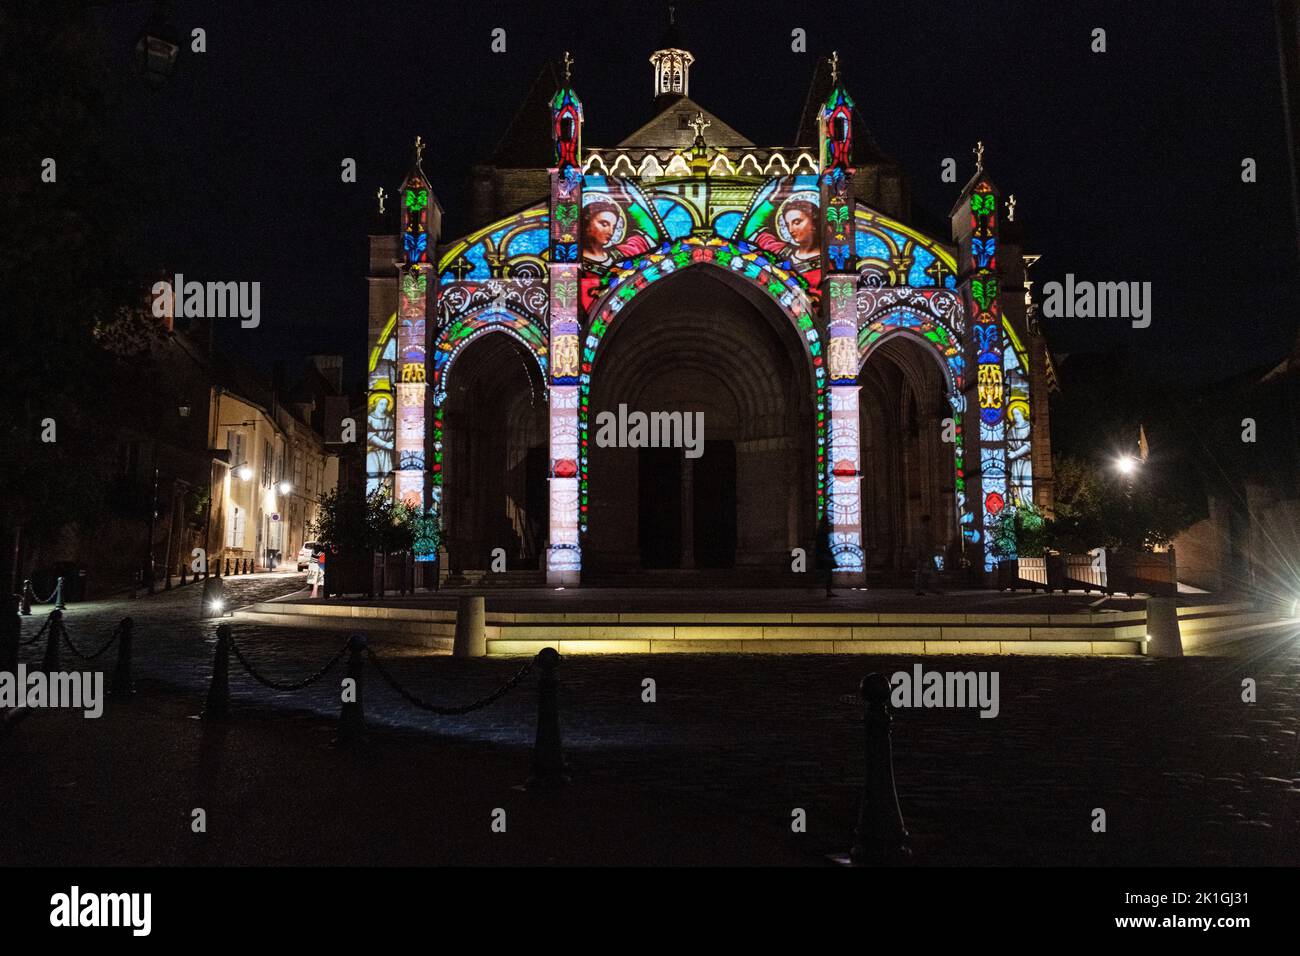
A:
50,663
58,595
352,718
548,770
122,685
29,596
218,707
11,627
184,577
880,837
227,567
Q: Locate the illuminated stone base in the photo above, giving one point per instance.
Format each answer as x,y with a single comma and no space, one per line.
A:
572,631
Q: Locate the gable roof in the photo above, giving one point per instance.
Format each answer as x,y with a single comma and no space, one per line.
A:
526,143
666,129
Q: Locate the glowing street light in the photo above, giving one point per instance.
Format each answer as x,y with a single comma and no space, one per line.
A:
285,487
245,472
1126,465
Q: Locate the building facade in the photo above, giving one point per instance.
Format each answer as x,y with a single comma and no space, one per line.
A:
855,377
268,494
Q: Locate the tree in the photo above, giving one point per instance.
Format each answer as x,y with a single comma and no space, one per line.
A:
1097,507
1020,532
64,267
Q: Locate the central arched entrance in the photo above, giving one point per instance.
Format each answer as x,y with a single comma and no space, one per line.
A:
703,342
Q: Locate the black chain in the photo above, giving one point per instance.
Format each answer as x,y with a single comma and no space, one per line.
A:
38,635
112,639
277,685
448,711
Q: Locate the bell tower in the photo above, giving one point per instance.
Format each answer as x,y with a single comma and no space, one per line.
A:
672,65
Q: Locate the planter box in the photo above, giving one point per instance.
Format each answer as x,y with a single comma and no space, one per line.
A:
1020,574
349,574
1077,572
1137,571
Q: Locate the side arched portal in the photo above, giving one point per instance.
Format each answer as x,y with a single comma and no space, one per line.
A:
909,483
490,450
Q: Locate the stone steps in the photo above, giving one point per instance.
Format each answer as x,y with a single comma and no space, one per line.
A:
837,632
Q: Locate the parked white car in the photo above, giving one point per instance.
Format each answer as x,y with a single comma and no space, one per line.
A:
307,553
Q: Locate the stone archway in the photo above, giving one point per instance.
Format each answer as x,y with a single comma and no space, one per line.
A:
704,341
908,470
494,432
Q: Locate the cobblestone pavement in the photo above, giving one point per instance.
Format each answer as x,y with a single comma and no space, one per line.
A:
1184,770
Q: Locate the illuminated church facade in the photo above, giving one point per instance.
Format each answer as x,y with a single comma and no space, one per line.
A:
856,377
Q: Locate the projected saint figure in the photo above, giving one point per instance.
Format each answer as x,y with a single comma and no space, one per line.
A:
796,240
604,228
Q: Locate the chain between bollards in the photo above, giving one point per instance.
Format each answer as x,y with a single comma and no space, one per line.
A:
880,837
549,770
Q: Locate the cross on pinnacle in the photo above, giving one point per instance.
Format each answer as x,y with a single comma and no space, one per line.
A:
419,150
699,124
979,155
568,62
835,68
1011,208
381,196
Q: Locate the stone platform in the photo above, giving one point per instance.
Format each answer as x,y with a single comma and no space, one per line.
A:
651,621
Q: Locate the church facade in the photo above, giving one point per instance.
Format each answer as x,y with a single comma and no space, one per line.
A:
858,381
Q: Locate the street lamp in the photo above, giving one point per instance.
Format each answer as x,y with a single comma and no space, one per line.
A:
285,487
158,45
1127,465
244,472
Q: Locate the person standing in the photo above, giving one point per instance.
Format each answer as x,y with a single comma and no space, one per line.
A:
925,572
824,559
316,573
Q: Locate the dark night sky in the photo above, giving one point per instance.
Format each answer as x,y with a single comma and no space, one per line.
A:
1125,165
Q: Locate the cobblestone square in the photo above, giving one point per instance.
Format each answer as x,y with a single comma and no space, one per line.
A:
711,771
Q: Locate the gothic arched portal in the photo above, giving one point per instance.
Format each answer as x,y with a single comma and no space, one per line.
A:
704,342
908,470
494,456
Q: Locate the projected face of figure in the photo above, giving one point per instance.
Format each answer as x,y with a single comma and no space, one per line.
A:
802,227
599,223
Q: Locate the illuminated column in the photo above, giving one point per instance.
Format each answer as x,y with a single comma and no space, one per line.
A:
974,221
844,458
567,496
411,389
